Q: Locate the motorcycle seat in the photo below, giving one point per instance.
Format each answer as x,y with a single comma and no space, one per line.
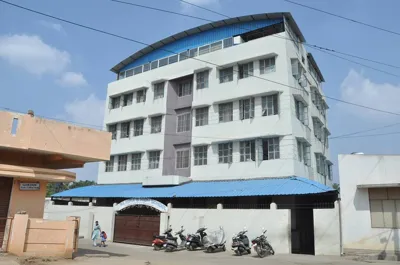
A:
172,238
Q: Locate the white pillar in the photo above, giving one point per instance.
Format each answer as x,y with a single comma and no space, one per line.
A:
273,206
220,206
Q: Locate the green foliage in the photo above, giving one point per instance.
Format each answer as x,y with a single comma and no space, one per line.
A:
53,188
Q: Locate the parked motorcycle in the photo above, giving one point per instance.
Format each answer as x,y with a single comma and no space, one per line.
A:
159,241
215,241
240,243
172,242
194,241
262,246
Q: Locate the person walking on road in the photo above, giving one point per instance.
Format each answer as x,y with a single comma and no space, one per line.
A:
96,233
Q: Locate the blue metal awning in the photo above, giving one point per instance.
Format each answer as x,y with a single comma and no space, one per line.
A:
228,188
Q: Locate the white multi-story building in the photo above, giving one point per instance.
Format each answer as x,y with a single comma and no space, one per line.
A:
234,99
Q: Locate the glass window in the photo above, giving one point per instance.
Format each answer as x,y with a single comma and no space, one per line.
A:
247,151
204,49
159,90
173,59
271,148
121,75
185,89
216,46
136,161
183,55
269,105
228,42
225,112
138,127
154,159
202,116
182,158
225,153
267,65
226,75
156,124
202,79
154,65
125,128
183,124
110,164
128,98
122,162
115,102
193,53
163,62
246,108
146,67
129,73
138,70
140,96
113,130
246,70
200,155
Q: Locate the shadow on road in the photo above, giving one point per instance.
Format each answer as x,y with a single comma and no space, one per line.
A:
96,251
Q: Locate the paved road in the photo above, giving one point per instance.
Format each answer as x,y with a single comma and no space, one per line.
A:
121,254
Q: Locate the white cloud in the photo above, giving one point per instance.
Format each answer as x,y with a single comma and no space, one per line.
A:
72,79
88,111
32,54
188,8
360,90
51,25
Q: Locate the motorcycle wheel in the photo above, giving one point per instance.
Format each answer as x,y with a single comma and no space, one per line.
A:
157,247
224,248
238,253
270,250
168,249
249,251
209,250
260,252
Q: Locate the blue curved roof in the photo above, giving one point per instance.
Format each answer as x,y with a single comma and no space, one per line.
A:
228,188
204,34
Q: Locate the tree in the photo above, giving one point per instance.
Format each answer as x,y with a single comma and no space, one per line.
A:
53,188
336,187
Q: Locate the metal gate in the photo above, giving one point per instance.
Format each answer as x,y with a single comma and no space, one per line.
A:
136,229
5,194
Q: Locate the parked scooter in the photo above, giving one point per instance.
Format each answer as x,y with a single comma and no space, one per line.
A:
262,246
159,241
212,243
240,243
194,241
172,242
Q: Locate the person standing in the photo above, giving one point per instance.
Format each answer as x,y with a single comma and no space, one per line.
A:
96,233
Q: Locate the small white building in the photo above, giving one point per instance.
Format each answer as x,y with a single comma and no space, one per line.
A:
370,199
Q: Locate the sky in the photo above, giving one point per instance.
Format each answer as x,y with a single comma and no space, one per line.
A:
62,71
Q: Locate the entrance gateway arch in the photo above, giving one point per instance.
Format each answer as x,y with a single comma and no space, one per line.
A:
137,221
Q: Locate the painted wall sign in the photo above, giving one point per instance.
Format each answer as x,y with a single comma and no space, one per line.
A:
142,202
29,186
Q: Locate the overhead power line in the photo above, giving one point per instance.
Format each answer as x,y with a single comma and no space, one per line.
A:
140,42
345,18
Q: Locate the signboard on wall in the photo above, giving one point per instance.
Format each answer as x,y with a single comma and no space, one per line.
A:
29,186
142,203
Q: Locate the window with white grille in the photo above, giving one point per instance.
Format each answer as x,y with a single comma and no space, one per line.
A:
141,96
182,158
321,163
125,129
136,161
183,122
138,127
225,112
110,164
154,159
159,90
301,111
113,130
267,65
246,108
202,80
226,75
156,123
185,89
115,102
200,155
128,98
122,162
303,151
225,153
246,70
269,105
202,116
271,148
247,151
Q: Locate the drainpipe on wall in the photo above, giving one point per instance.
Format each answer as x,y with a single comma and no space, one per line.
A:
340,226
